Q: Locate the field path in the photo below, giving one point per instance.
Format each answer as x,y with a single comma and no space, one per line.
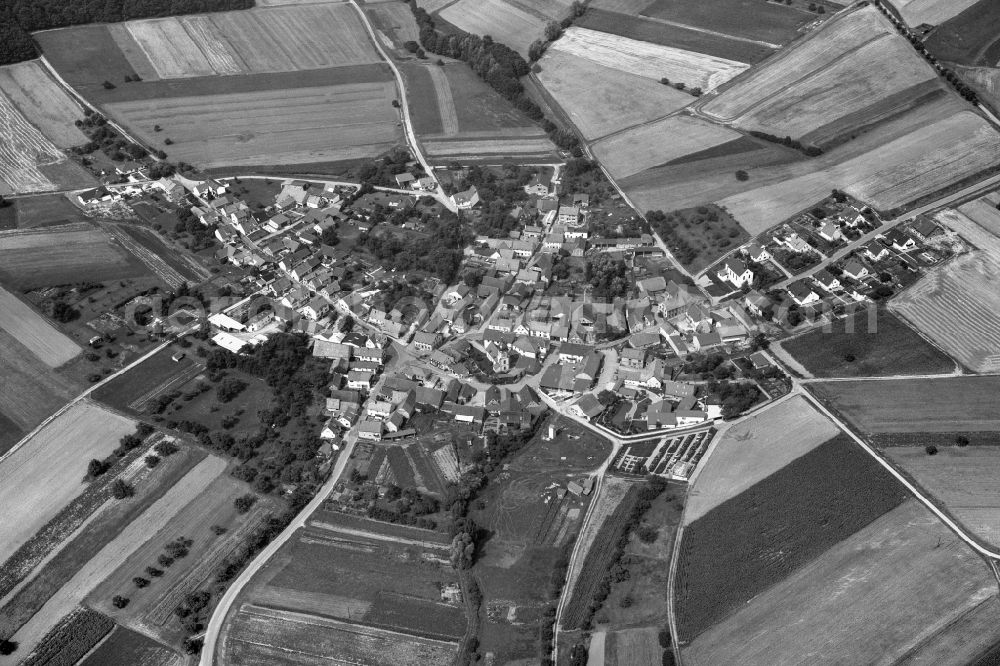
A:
138,532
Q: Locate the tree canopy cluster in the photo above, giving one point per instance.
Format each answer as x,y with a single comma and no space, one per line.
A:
20,17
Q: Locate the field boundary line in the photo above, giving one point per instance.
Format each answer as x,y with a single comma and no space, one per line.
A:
706,31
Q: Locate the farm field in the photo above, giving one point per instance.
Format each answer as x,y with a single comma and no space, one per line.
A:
669,34
38,97
868,344
767,22
264,636
763,535
984,80
44,211
294,126
64,254
34,331
157,374
907,411
647,146
427,91
753,450
902,589
651,61
151,609
984,213
283,39
962,479
31,390
935,12
819,82
947,298
479,108
490,148
125,647
611,101
48,470
503,20
396,20
969,38
130,538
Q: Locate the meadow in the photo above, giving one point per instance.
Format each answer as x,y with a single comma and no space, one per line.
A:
764,534
752,450
864,345
31,390
902,589
766,22
969,38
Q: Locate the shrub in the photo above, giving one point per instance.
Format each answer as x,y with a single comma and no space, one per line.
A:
962,440
742,175
244,503
8,647
153,572
648,533
930,449
96,468
152,461
121,490
166,448
119,601
140,582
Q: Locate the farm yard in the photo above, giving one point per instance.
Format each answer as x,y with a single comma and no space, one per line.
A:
284,39
776,526
33,331
129,538
44,474
752,450
651,61
944,301
868,344
905,566
925,411
963,481
611,101
65,254
270,127
768,22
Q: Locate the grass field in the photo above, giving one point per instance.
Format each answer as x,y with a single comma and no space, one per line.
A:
263,636
502,20
970,38
39,98
601,100
43,211
479,108
651,61
767,22
754,449
128,540
34,331
633,646
935,12
781,523
921,407
293,126
285,39
944,301
962,479
66,254
48,470
631,152
864,346
900,590
667,34
31,390
125,648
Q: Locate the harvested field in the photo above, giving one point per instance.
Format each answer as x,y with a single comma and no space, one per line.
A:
984,80
38,97
397,18
753,450
445,101
948,405
961,479
611,100
935,12
778,525
34,331
295,126
480,109
896,591
262,636
129,648
47,471
633,646
768,21
131,537
944,301
985,214
45,211
670,34
505,22
636,150
23,149
651,61
485,148
284,39
970,38
31,390
872,343
58,255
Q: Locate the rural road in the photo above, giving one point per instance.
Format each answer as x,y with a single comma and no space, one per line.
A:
411,136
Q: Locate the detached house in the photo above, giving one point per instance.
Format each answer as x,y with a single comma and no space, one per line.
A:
801,293
467,199
876,251
757,252
854,269
735,272
827,280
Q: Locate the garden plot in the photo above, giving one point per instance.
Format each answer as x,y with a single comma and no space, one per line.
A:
35,332
652,61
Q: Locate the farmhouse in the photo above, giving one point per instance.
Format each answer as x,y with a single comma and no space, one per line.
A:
736,272
588,407
370,430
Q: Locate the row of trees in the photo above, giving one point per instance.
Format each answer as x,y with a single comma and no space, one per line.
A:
20,17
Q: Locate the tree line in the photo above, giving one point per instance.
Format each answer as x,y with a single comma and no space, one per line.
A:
18,18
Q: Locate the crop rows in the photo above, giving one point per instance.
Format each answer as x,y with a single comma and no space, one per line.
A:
22,149
72,638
